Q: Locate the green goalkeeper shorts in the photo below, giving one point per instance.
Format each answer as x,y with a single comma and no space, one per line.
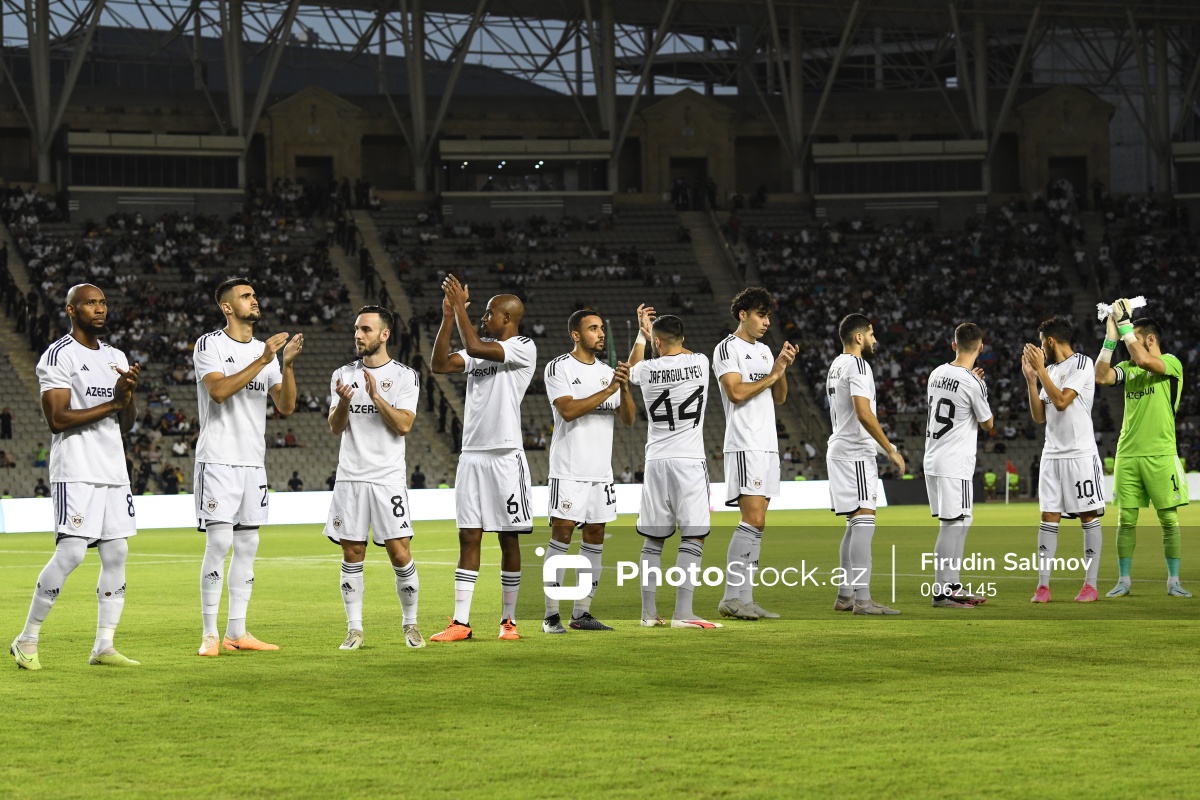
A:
1139,481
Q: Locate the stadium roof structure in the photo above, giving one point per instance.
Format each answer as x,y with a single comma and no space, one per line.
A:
595,50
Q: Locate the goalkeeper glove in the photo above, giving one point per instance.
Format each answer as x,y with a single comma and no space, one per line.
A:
1124,317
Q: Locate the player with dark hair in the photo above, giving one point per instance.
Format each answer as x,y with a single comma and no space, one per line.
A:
586,396
235,374
752,383
853,476
1071,481
493,487
675,494
374,404
87,399
1148,469
958,404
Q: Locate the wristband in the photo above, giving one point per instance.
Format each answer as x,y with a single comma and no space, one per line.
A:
641,339
1110,345
1106,354
1127,337
1124,329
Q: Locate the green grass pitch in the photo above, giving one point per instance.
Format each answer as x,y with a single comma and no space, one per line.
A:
1006,700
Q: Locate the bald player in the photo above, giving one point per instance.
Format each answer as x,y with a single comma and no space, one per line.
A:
493,487
87,398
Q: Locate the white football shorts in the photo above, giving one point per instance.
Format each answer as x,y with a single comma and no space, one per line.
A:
493,491
92,511
583,502
230,493
1071,486
754,472
949,498
675,494
852,485
359,506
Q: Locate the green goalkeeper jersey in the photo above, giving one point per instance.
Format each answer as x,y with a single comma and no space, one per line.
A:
1151,401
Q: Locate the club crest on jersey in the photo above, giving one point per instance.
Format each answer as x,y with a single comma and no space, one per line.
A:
565,505
756,483
337,523
114,367
211,505
77,520
385,386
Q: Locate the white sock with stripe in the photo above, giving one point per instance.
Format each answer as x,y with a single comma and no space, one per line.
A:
351,578
862,531
738,559
1092,538
651,575
1047,547
593,553
756,549
510,585
408,588
691,553
846,591
464,590
553,548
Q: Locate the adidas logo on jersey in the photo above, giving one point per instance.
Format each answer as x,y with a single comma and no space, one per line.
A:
749,357
229,360
516,520
84,368
576,382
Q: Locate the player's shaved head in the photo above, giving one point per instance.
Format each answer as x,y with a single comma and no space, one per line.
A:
82,291
508,304
968,336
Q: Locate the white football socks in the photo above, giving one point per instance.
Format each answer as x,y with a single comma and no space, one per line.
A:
651,562
241,580
464,590
218,537
68,555
553,548
352,585
593,553
691,552
110,591
510,585
408,587
1092,539
862,530
1047,547
738,558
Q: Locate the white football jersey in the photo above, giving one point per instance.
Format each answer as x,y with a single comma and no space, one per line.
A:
675,390
849,377
233,432
749,425
1069,432
494,392
370,451
957,404
90,453
581,449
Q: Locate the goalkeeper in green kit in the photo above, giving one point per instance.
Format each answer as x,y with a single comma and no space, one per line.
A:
1148,469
